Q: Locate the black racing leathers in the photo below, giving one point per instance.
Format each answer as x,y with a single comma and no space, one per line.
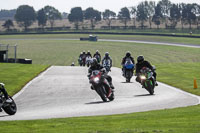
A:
99,67
124,60
142,64
4,92
97,54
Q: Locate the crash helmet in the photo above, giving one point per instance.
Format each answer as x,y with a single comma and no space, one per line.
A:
88,52
140,58
128,54
106,54
94,62
97,51
83,52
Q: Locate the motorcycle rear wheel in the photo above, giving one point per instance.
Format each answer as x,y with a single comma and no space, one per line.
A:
112,97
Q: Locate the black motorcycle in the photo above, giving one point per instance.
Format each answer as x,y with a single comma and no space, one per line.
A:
101,86
9,107
128,70
147,79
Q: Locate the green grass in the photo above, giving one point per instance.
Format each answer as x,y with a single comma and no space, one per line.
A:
101,36
180,120
15,76
180,75
176,66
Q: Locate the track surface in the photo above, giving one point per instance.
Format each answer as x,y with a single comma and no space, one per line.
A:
64,91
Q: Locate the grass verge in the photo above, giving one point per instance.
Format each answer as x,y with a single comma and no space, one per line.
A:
15,76
180,120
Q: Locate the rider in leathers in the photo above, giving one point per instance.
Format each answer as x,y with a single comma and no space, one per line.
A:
2,88
96,66
143,63
96,55
107,57
128,55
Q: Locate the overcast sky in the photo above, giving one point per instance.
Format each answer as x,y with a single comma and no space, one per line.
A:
66,5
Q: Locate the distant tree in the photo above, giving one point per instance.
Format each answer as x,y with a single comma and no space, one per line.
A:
76,16
189,15
182,7
52,14
108,16
41,17
133,13
157,18
124,16
92,15
165,9
197,12
142,13
150,10
7,14
25,16
64,15
175,14
8,23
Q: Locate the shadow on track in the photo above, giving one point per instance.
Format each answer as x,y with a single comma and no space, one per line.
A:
126,82
98,102
143,95
4,115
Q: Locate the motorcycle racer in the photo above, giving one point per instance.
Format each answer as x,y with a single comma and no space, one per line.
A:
96,66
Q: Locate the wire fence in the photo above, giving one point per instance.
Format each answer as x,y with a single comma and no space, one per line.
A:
8,53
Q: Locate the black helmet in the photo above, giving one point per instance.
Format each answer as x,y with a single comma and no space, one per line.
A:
140,58
128,54
94,62
106,54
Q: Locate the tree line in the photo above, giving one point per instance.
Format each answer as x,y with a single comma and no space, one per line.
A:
148,11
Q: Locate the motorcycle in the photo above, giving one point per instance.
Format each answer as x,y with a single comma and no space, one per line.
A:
128,70
10,108
147,79
107,65
88,60
80,61
101,86
98,58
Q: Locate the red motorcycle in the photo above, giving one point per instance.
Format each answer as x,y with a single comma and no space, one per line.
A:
101,85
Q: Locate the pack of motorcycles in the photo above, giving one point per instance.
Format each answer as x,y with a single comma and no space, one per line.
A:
102,87
98,82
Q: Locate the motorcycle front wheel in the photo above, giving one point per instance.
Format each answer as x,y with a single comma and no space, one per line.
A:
10,108
101,93
150,87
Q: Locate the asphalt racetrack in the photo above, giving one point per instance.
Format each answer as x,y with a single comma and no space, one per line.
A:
64,91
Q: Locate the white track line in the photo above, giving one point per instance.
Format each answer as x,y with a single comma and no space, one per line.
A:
181,91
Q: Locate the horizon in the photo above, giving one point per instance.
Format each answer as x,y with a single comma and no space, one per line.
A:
65,6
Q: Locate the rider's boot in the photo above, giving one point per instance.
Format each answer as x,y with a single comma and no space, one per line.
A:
8,100
92,87
111,85
156,84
